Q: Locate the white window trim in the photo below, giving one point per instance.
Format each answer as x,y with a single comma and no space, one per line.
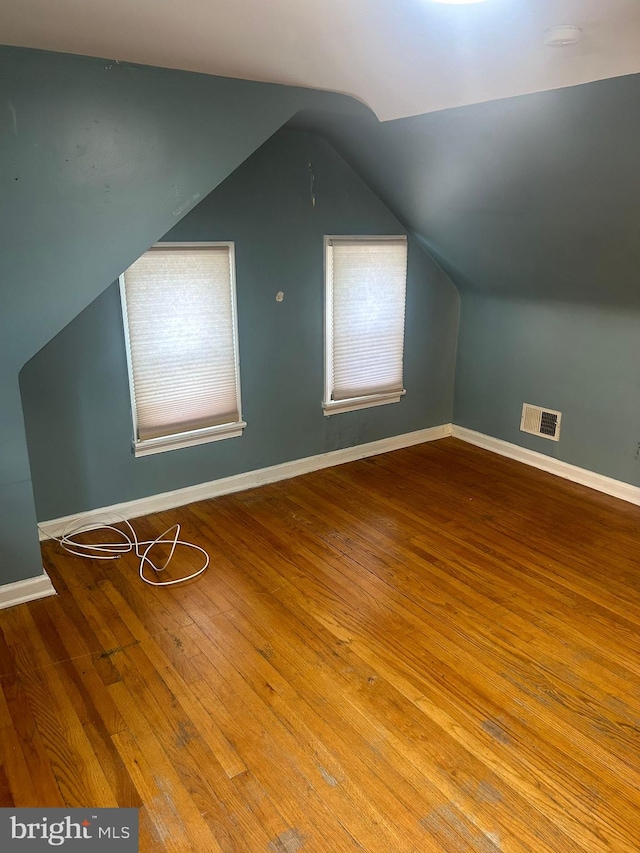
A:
188,439
193,437
352,404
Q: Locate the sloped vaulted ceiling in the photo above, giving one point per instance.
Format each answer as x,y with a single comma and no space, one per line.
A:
532,195
536,196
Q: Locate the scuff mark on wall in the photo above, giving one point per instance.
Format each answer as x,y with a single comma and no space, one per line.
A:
186,204
14,116
312,181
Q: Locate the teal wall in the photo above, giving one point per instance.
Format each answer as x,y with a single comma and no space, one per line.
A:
535,197
582,360
532,206
97,160
75,389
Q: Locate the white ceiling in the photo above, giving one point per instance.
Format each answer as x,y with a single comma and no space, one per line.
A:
401,57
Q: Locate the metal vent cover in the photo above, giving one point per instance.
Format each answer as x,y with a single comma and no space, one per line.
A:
539,421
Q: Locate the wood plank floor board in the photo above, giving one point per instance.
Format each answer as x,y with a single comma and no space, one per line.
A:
26,737
160,721
163,711
274,760
477,498
378,724
580,792
429,543
177,822
333,761
565,545
511,640
13,759
271,694
283,764
298,608
435,650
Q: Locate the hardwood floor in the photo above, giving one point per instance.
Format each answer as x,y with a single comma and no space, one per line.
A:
432,650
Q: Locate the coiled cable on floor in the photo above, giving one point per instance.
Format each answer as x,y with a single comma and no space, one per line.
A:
128,542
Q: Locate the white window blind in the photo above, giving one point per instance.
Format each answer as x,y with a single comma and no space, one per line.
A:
365,310
179,307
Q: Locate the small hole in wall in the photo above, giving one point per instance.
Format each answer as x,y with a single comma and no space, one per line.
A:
279,296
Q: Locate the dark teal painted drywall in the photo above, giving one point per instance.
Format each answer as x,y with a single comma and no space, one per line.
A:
75,390
536,196
97,160
532,205
582,360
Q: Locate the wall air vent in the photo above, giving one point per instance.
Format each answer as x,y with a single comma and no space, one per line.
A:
542,422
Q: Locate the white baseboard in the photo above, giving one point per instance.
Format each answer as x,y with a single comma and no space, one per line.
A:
248,480
607,485
33,588
27,590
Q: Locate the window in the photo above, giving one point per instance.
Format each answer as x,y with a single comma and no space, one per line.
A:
365,287
179,308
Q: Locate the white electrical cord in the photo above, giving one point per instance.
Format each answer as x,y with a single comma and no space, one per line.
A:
129,541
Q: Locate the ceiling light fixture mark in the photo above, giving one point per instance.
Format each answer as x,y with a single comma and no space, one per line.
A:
562,35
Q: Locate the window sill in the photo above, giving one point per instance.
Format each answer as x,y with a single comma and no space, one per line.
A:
337,407
187,439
